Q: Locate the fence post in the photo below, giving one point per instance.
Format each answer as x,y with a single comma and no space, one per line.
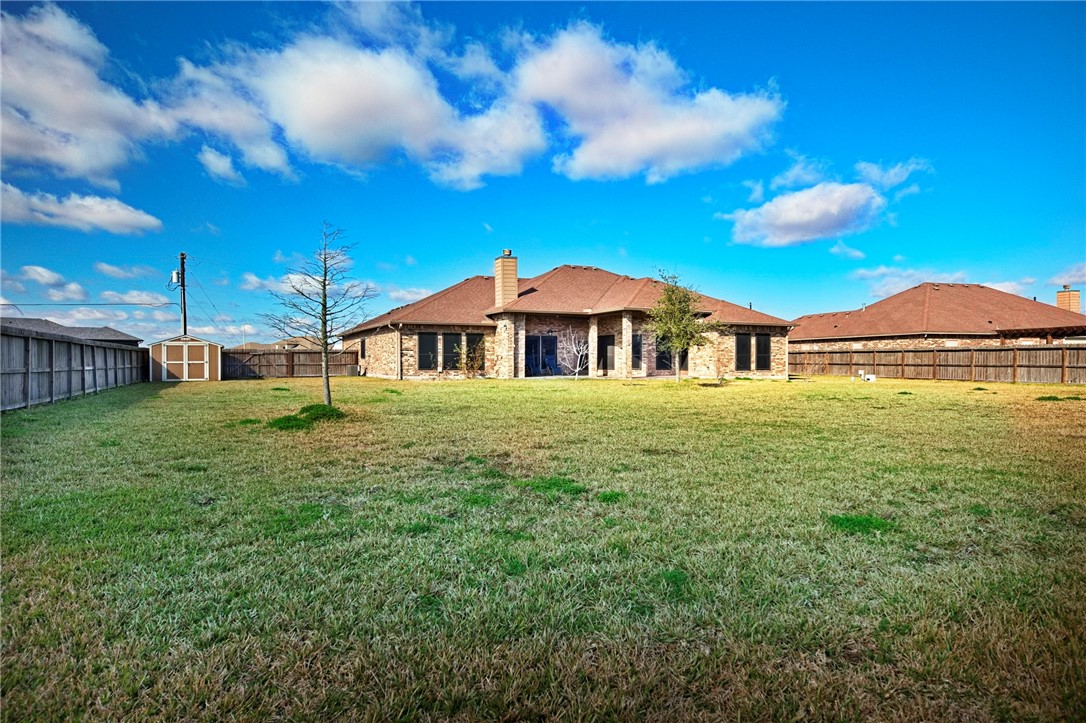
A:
52,371
290,364
1063,371
94,367
26,362
1014,363
934,364
902,363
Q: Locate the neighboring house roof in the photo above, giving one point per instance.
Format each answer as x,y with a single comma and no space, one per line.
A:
567,290
938,308
252,346
85,333
294,342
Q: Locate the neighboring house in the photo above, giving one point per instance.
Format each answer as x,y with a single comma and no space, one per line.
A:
522,327
298,343
936,315
82,333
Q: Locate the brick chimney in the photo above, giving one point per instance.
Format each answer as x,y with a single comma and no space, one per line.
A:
505,278
1069,299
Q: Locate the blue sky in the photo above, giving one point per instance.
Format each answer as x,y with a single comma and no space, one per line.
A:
800,157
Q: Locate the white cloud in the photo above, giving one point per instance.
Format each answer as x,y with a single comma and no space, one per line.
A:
57,289
1011,287
408,295
219,165
826,210
216,99
889,280
42,275
803,172
410,260
629,111
80,315
840,249
252,282
487,227
70,291
886,178
122,272
57,111
134,297
85,213
224,330
1075,274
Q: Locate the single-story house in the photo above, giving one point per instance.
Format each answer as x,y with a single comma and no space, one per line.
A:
82,333
939,315
569,318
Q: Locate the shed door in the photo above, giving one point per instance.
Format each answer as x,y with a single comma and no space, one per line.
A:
185,362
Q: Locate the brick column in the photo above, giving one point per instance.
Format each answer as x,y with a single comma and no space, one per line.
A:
624,356
518,347
593,346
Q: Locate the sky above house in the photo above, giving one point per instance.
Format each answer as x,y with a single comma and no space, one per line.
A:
797,157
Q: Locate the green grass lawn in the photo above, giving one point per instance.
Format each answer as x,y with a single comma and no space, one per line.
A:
603,550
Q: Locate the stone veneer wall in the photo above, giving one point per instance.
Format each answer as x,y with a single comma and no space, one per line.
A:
505,348
381,347
719,354
915,342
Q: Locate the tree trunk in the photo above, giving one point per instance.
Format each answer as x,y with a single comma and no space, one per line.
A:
677,360
324,374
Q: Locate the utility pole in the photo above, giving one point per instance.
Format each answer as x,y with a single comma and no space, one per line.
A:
184,307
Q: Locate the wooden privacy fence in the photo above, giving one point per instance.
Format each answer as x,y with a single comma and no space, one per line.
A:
1035,364
241,364
40,368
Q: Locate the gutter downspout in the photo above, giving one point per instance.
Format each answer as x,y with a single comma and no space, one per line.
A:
399,350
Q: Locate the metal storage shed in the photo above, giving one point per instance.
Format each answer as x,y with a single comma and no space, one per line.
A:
186,359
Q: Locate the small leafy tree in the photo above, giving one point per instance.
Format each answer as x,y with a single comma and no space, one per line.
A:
472,359
573,351
676,321
319,300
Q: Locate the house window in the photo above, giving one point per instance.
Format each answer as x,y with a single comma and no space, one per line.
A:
362,348
635,353
665,359
450,351
763,356
605,353
742,352
541,355
427,350
477,350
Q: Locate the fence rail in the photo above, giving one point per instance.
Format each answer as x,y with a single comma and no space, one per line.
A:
242,364
1043,365
40,368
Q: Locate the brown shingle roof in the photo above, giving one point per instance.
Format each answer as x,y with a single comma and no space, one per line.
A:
463,303
937,308
578,290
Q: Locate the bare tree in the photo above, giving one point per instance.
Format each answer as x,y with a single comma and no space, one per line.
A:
319,300
573,350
